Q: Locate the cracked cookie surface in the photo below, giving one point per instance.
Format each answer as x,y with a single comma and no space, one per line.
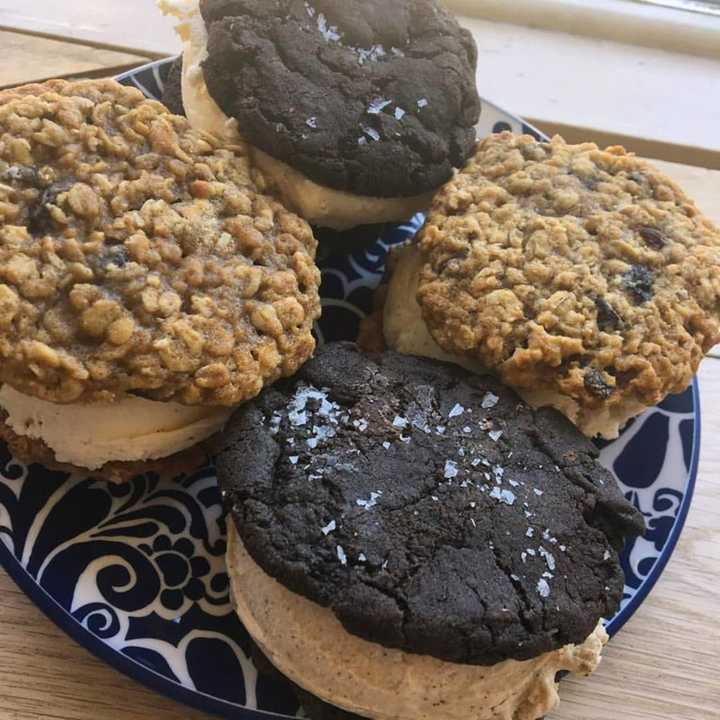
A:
428,507
569,269
137,255
373,98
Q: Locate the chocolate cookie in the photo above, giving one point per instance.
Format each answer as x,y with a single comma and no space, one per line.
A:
374,98
429,508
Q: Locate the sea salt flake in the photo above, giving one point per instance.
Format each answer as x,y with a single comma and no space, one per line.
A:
386,445
514,483
440,429
312,443
531,552
539,493
456,411
473,505
514,577
490,401
294,459
495,435
361,424
504,496
312,122
467,429
562,548
372,502
342,557
362,557
475,462
549,559
461,452
474,524
332,525
422,102
399,112
530,532
606,555
378,105
372,133
400,422
543,588
451,469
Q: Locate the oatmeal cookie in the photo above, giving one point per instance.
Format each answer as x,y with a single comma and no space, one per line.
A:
139,256
585,278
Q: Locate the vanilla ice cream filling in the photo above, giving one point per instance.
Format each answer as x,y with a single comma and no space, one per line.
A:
94,434
406,332
307,643
318,204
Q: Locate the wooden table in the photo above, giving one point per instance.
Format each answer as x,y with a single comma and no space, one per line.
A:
663,665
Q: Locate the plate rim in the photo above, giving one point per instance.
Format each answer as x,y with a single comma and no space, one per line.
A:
202,701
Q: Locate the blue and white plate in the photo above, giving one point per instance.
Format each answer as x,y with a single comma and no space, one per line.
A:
136,573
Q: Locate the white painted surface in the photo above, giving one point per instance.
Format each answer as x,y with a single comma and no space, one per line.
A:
592,83
620,20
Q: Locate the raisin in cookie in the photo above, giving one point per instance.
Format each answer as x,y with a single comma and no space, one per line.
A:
407,516
584,278
358,111
147,286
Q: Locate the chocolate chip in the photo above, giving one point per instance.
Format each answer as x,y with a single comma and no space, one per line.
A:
39,218
638,281
21,174
595,384
607,318
653,237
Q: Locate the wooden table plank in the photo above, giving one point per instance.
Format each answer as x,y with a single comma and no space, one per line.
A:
135,25
25,59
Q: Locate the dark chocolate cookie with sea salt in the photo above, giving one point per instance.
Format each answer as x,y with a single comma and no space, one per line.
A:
429,508
375,98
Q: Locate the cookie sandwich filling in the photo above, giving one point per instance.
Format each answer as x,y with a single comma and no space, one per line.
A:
318,203
92,435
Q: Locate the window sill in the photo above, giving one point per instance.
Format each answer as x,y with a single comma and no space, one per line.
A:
657,103
618,20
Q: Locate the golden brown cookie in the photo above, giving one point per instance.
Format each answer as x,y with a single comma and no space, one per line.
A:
147,284
137,255
585,278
